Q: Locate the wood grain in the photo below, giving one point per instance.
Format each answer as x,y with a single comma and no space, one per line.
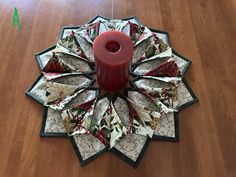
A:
204,31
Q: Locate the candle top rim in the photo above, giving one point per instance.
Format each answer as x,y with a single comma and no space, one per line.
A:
123,55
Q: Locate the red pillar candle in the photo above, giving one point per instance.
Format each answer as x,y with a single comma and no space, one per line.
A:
113,52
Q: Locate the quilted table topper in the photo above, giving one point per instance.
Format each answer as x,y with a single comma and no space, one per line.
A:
121,122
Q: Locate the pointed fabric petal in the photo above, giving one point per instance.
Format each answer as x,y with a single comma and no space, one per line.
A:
93,30
146,119
61,103
138,33
69,45
144,36
63,50
75,79
143,109
89,31
120,26
167,69
114,24
109,130
117,129
146,66
163,99
101,129
74,120
63,88
136,124
163,90
55,91
63,63
56,65
86,46
76,64
182,62
103,27
122,109
165,54
156,49
139,50
50,76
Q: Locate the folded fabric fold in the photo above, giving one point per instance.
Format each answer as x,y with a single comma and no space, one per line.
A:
138,33
164,99
59,63
144,119
167,69
70,45
117,129
164,93
156,49
52,75
109,128
80,119
162,67
55,91
60,103
74,119
86,44
93,30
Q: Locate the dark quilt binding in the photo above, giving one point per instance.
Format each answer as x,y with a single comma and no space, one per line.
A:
129,160
49,134
31,95
37,55
187,60
162,32
195,99
84,162
166,138
63,28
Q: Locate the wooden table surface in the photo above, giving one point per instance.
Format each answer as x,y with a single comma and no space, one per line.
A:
204,31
